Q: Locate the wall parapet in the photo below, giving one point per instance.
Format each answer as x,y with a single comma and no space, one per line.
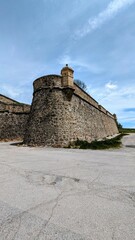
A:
84,95
7,100
14,108
48,81
56,81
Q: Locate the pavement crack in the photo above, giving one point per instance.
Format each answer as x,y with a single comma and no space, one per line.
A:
58,198
89,184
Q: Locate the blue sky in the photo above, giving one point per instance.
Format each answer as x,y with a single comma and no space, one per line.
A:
96,38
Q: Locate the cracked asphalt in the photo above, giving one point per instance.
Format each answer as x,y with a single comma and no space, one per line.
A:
67,194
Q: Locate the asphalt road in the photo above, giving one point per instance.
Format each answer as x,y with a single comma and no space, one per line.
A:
67,194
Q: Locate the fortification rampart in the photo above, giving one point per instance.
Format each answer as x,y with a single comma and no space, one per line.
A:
61,112
13,118
12,125
56,81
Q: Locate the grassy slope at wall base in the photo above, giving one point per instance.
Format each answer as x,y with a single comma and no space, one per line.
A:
127,130
98,145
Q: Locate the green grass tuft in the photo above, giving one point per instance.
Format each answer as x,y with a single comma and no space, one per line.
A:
98,145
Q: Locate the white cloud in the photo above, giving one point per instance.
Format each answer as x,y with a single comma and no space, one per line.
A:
110,86
65,59
111,10
116,101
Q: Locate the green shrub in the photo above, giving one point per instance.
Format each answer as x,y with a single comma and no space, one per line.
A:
104,144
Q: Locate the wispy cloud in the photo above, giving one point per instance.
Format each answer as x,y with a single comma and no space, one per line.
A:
80,64
110,86
114,7
126,95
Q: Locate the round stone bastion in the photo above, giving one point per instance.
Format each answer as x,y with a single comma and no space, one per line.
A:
49,120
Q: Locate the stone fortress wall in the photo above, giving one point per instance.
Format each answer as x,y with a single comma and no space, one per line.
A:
62,112
13,118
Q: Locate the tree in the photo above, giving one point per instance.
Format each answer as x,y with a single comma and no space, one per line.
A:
81,84
119,125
